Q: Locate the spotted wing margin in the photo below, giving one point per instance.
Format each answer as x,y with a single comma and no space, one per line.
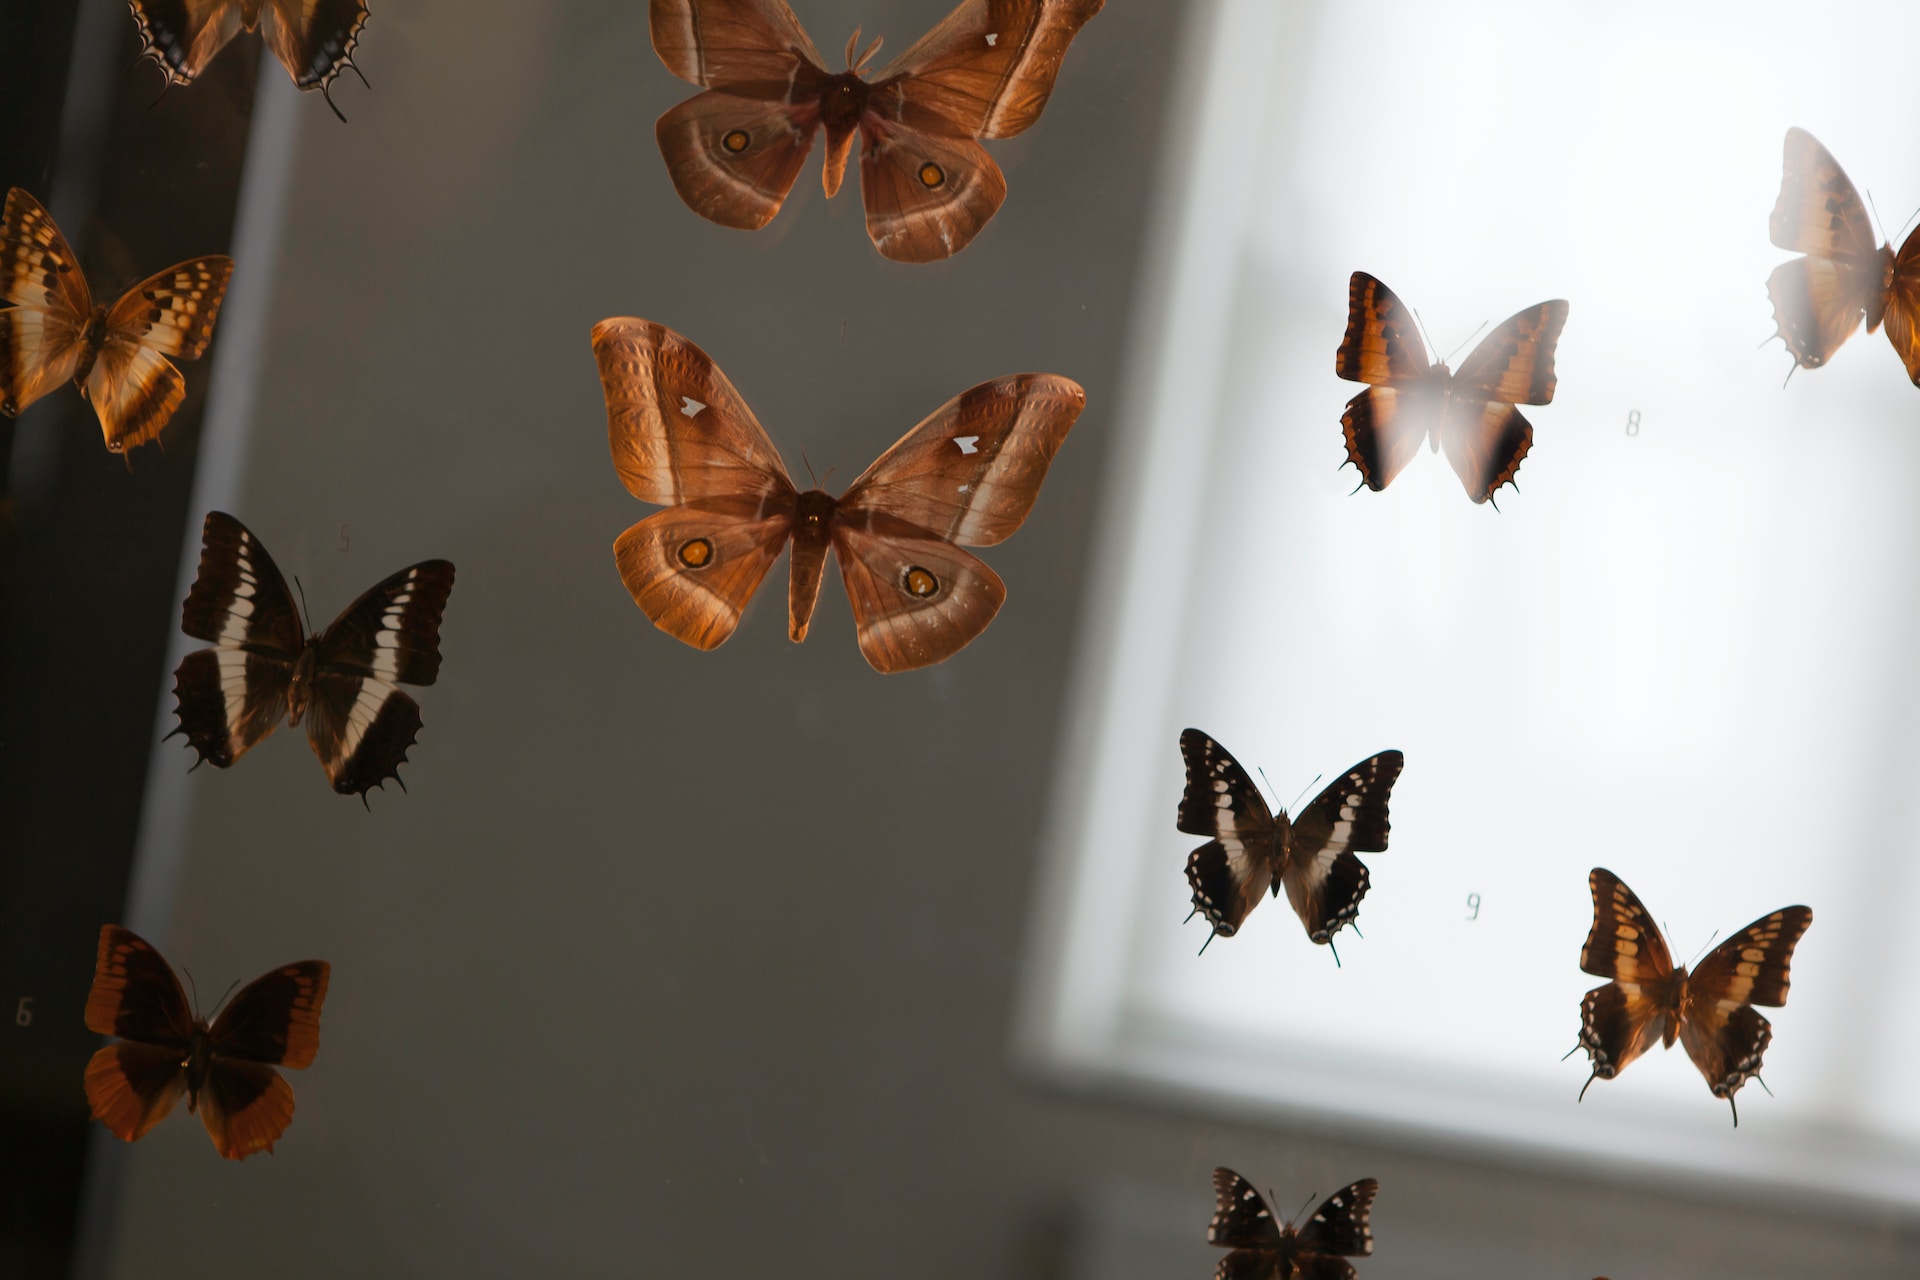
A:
314,39
1623,1019
677,429
1241,1218
971,471
1722,1033
1339,1226
917,600
987,70
1325,881
736,44
359,723
182,36
1231,872
231,696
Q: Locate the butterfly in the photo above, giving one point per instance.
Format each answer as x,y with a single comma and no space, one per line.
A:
966,476
314,39
1265,1250
1470,412
51,331
734,151
1254,851
226,1070
1818,300
1710,1011
264,667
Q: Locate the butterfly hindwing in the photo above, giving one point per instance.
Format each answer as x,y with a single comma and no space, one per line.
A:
1820,299
313,39
917,599
692,568
245,1107
734,159
926,195
1903,306
1232,872
1325,881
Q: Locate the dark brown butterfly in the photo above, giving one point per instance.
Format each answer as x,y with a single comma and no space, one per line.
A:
1263,1249
1820,299
734,151
965,477
1254,851
314,39
1470,412
264,667
51,332
1649,1001
226,1070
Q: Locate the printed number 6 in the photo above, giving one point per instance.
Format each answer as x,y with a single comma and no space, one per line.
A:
23,1015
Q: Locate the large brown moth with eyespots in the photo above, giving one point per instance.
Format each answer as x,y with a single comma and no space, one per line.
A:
967,476
929,187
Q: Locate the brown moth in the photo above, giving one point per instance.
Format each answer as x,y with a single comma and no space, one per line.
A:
967,476
929,187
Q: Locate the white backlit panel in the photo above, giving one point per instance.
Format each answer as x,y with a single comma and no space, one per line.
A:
1686,654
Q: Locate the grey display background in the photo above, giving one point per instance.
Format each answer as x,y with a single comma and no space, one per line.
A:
670,961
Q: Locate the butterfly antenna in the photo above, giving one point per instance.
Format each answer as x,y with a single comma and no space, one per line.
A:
1702,951
1907,223
303,603
1424,335
1876,210
1297,1212
1303,791
194,987
1470,337
227,992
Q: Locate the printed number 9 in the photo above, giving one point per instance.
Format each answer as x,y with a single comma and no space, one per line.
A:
1473,900
23,1014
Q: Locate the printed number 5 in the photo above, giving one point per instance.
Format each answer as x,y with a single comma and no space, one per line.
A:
23,1015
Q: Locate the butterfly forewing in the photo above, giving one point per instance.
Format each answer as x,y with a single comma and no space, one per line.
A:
1903,306
730,42
40,269
234,694
1241,1218
1624,943
173,311
971,471
1339,1226
989,67
275,1019
1514,363
1818,210
1325,881
1230,873
1382,345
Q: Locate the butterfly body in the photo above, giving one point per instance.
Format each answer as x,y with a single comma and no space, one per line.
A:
264,668
226,1069
1650,1000
1844,277
734,151
1470,413
1263,1248
52,331
1256,850
682,437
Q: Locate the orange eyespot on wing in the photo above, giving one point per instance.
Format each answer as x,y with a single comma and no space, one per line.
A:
734,152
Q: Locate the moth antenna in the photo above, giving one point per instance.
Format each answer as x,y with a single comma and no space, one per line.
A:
303,603
852,40
1209,942
1763,1084
1585,1087
1470,337
866,55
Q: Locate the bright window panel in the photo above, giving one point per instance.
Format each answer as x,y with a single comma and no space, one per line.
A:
1682,651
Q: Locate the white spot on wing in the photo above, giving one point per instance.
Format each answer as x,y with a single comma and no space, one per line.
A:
992,39
689,407
968,444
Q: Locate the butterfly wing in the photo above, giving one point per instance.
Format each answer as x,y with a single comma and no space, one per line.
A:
231,696
917,599
1818,300
42,329
1232,871
692,568
987,70
182,36
971,470
1241,1219
273,1021
1722,1033
730,42
313,39
1903,306
133,1084
1324,880
1384,424
1628,1016
359,722
926,196
1484,435
1339,1227
133,386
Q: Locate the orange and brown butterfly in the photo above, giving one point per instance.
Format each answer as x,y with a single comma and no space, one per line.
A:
929,187
52,332
1649,1001
967,476
1471,413
226,1069
1820,299
314,39
1266,1249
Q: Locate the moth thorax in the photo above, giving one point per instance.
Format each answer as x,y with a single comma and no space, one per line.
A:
92,338
842,100
813,512
300,687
